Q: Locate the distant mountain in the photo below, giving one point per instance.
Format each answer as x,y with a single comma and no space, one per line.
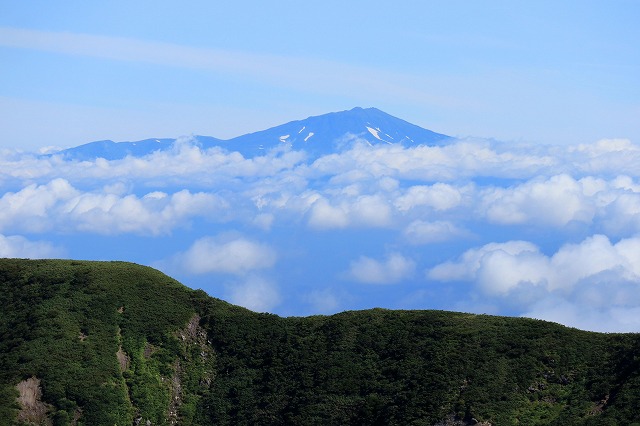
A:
317,136
111,150
323,134
112,343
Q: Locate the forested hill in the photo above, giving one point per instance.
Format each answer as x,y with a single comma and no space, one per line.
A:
112,343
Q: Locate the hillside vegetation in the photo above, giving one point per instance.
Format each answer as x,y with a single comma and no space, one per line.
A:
112,343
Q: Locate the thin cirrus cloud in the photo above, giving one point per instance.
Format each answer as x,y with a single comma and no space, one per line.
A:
299,73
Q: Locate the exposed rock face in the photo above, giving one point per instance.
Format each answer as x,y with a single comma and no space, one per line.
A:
176,394
33,411
193,333
197,349
123,359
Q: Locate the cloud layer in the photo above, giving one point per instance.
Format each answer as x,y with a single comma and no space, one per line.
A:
537,231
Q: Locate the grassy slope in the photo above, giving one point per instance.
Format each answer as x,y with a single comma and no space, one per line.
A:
61,322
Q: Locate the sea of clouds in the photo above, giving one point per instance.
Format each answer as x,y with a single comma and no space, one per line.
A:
550,232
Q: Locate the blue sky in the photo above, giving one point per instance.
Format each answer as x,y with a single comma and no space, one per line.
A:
547,72
533,210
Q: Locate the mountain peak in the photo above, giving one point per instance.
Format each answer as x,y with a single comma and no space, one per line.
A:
323,134
317,135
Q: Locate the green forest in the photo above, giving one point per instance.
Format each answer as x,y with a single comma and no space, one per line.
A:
114,343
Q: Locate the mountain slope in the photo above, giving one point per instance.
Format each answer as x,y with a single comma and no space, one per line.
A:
91,343
111,150
317,135
323,134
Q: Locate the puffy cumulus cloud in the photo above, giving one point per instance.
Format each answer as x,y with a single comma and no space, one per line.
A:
19,247
622,215
323,215
59,206
393,269
361,211
255,293
614,318
595,279
226,254
555,201
466,268
185,164
189,164
439,197
611,205
478,158
421,232
606,156
501,267
460,159
31,208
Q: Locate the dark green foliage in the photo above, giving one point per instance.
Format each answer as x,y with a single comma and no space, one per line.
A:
196,360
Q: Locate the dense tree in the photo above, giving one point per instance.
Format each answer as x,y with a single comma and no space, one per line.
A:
117,343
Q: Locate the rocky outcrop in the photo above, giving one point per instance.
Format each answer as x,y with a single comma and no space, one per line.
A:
32,410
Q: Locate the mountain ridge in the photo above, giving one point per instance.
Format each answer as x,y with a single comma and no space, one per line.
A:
117,343
317,135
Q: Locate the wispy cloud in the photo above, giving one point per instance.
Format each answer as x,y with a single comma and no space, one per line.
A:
255,293
300,73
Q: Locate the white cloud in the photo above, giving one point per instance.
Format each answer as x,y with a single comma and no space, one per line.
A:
359,211
370,210
609,317
225,254
555,201
17,246
622,214
501,267
606,156
457,160
393,269
59,206
421,232
463,193
387,164
255,293
594,284
439,196
323,215
466,268
301,73
30,208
